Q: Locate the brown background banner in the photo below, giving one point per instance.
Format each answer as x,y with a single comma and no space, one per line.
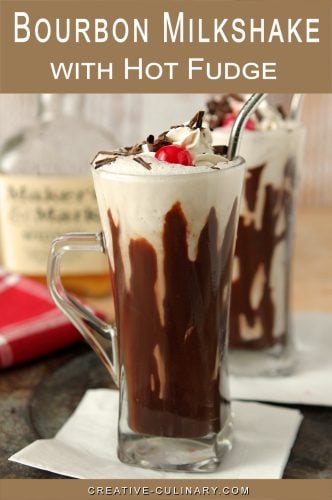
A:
300,67
40,489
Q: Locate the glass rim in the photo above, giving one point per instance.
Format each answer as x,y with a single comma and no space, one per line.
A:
232,165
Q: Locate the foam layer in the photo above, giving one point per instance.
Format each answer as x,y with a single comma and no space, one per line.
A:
128,165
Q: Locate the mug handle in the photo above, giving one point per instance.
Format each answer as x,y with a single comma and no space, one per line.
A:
101,336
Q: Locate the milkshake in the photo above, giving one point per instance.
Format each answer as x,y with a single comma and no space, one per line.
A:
259,317
169,210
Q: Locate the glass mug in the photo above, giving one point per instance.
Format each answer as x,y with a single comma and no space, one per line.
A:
170,242
261,337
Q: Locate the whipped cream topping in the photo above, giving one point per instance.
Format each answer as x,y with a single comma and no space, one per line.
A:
269,117
193,136
197,141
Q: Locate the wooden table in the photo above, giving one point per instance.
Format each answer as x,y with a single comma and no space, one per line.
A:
53,385
312,283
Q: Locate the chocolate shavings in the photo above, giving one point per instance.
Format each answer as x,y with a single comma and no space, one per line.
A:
155,144
259,115
220,150
282,111
134,150
218,108
197,120
142,162
104,161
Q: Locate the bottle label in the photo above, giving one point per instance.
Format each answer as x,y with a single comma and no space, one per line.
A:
34,210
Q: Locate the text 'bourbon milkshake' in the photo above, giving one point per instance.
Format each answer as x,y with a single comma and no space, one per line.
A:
169,209
259,317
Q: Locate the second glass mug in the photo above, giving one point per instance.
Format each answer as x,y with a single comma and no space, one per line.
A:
170,243
261,334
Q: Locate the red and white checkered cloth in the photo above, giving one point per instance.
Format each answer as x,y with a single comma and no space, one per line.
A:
30,323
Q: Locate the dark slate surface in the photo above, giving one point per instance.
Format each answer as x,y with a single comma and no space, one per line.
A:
36,399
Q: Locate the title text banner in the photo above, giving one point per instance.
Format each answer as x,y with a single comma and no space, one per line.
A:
165,46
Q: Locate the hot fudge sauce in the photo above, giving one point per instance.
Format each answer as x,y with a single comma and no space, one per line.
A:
255,249
173,367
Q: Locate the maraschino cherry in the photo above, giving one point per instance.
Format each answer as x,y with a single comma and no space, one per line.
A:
230,119
175,154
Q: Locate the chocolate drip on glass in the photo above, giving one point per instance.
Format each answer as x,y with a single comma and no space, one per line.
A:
255,248
177,390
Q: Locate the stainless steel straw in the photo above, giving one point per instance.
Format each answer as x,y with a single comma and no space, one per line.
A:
240,122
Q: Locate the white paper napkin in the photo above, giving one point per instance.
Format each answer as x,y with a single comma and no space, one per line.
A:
311,382
85,447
